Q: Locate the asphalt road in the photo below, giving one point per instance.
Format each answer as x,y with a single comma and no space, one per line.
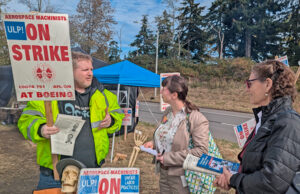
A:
221,122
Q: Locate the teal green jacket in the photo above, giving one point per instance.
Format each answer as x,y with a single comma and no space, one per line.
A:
34,115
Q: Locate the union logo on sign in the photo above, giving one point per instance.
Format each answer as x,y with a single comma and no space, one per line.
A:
43,73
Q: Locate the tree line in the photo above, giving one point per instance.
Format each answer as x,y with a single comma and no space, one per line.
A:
229,28
186,30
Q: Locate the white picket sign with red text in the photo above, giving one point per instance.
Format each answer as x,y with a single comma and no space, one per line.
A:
40,55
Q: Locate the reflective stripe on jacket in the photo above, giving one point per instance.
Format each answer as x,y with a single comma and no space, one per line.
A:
34,115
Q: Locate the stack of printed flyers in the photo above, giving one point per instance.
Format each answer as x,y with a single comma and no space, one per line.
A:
209,164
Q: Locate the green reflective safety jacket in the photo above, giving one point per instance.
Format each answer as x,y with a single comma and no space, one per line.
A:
34,115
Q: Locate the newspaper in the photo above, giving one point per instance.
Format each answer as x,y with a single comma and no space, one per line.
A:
69,127
190,163
149,150
214,164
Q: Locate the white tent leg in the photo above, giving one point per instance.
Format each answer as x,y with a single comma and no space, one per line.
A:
112,148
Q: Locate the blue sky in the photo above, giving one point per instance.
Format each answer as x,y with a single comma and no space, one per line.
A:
126,13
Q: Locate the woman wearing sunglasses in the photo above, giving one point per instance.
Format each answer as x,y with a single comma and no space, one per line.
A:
270,157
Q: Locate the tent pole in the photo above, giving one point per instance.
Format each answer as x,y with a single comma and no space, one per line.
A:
113,143
127,106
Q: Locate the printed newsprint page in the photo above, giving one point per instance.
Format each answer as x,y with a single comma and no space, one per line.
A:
190,163
63,142
148,150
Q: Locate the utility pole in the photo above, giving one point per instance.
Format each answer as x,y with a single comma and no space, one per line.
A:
156,60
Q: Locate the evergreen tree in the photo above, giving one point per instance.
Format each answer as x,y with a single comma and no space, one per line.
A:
172,10
165,34
252,27
114,52
144,42
291,31
214,21
190,34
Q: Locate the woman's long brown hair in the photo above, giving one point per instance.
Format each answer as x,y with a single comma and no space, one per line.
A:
179,85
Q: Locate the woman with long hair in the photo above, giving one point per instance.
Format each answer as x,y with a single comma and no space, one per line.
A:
181,122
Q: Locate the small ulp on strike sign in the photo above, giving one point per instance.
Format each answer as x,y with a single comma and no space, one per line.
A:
109,181
128,116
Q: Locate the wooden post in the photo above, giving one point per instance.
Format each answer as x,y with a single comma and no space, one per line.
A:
125,132
49,117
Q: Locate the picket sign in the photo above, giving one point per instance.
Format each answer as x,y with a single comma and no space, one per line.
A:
40,55
243,131
283,59
163,105
127,120
109,180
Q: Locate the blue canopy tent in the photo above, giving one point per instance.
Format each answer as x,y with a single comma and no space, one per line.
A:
128,74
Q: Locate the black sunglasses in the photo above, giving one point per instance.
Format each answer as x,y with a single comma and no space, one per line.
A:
248,82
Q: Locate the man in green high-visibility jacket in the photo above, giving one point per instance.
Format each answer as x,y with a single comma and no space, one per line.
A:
98,106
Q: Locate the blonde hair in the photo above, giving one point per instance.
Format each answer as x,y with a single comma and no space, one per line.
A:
78,56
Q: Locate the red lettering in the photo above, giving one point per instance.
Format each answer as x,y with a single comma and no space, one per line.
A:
245,126
103,188
70,94
53,94
40,86
40,53
26,86
64,53
241,135
30,94
31,31
44,32
24,95
115,186
46,53
62,94
39,94
18,55
54,53
19,17
37,52
26,48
